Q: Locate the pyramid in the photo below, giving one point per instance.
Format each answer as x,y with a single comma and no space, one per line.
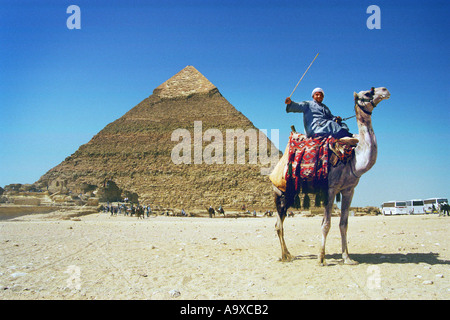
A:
136,152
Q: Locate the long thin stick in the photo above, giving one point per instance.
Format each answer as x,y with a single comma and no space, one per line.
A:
303,75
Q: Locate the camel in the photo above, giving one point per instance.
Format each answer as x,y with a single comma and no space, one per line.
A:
221,211
140,212
341,179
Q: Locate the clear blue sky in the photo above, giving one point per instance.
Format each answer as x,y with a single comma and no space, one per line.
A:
59,87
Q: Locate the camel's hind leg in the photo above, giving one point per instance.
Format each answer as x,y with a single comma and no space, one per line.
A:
282,206
347,196
326,224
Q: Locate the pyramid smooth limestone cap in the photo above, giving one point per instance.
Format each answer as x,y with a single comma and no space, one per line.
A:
185,83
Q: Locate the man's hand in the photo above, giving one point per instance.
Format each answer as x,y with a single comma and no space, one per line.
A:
288,100
338,120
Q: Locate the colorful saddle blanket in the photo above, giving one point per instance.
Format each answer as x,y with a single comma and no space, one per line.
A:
309,158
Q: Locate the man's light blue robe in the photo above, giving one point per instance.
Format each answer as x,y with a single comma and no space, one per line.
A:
317,119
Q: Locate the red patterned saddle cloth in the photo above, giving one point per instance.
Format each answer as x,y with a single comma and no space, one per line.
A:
310,158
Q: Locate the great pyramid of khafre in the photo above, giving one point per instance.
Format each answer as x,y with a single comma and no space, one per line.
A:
135,152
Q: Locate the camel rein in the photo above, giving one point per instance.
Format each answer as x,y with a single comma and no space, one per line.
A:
362,109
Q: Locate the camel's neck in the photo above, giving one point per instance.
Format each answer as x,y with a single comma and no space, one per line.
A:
366,151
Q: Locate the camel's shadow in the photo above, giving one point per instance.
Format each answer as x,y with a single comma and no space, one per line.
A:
430,258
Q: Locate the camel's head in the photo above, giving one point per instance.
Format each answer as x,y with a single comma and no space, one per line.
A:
368,100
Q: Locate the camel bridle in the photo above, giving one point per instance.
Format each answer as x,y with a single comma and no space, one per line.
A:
365,101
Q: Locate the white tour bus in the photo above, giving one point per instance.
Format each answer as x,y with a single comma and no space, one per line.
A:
415,206
394,207
428,204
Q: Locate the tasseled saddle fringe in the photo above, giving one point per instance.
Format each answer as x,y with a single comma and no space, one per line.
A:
320,192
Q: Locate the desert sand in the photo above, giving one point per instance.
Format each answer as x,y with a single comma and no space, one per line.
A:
44,256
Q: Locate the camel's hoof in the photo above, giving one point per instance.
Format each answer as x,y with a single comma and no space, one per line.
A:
322,262
350,262
290,259
286,258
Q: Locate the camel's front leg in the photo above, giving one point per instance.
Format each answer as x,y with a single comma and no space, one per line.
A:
347,196
282,208
285,255
326,224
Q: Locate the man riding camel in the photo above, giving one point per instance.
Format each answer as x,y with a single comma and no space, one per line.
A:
318,120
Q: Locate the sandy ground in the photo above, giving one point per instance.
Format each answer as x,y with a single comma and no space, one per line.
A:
103,257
